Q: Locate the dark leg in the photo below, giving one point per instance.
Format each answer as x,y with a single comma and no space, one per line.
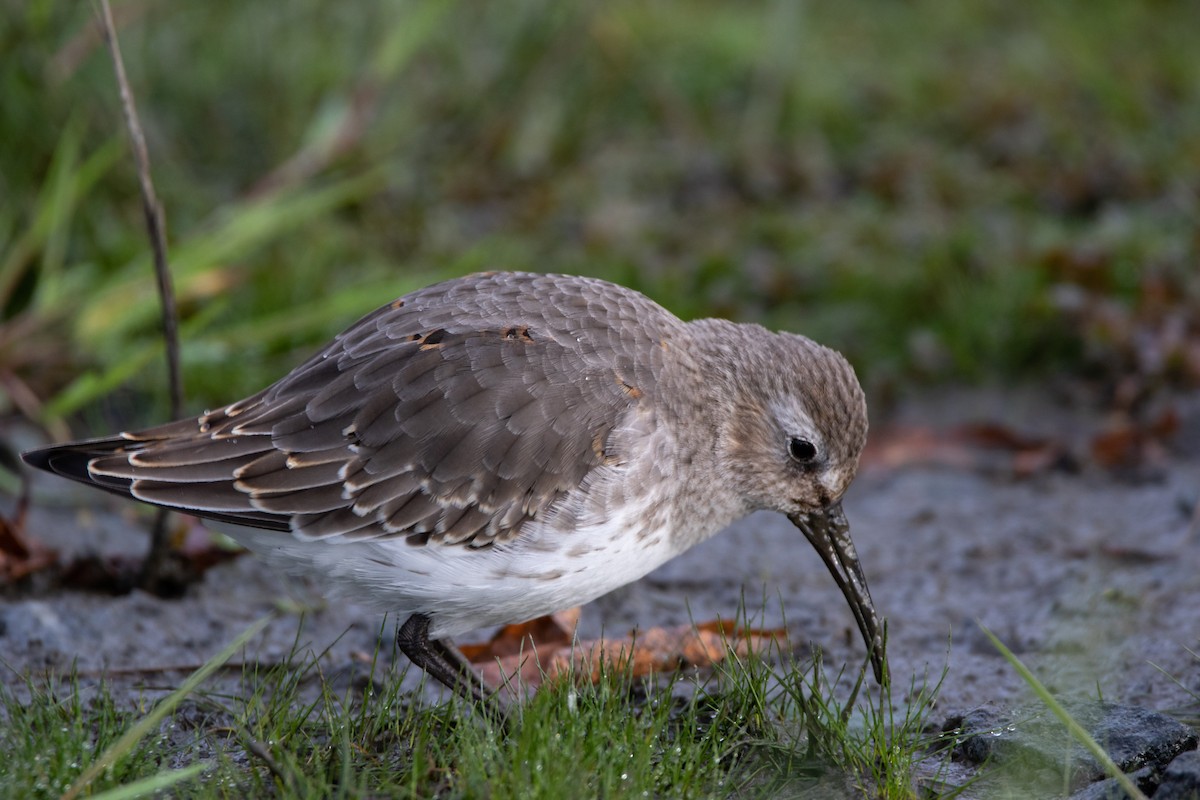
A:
441,661
450,654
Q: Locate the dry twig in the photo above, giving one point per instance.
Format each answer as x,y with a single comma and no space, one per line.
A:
156,230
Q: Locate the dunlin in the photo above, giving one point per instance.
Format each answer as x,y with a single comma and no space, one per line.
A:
505,445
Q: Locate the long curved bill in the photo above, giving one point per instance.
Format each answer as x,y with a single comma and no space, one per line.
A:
829,533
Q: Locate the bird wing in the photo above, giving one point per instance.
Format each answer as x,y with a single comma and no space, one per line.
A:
452,415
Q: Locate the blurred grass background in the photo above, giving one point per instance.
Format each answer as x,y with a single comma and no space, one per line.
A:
977,190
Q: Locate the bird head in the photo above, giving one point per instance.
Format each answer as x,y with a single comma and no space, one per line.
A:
791,444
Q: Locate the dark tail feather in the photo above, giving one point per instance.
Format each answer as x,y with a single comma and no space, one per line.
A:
71,461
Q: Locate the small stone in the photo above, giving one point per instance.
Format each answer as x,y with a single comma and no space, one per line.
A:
1035,740
980,734
1144,779
1181,779
1136,737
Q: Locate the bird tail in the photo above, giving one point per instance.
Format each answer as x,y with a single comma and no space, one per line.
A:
71,460
77,461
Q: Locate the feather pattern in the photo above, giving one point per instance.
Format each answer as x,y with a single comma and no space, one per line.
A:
459,412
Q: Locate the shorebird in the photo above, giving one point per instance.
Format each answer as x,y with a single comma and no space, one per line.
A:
505,445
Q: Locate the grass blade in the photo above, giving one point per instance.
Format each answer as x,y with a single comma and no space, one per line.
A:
164,707
155,783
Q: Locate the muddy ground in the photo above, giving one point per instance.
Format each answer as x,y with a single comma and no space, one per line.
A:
1091,575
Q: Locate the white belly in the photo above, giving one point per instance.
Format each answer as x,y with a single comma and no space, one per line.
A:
461,589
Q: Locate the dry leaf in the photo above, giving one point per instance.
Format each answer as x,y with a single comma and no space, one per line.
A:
552,629
987,447
651,651
21,555
1124,443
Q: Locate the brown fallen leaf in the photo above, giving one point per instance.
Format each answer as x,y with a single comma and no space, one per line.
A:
650,651
1126,443
551,630
21,555
983,446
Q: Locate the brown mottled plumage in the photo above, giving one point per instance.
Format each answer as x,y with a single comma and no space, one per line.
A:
503,445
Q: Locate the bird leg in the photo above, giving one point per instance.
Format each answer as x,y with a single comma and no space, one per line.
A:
442,661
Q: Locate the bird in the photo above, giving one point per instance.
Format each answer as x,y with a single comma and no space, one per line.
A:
497,447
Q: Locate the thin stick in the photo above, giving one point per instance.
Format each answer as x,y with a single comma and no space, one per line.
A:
152,209
156,230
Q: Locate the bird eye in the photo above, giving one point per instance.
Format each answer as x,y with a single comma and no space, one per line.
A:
801,451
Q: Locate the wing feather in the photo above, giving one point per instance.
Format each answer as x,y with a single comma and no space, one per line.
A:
453,415
283,480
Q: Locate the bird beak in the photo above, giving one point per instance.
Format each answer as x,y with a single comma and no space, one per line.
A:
829,533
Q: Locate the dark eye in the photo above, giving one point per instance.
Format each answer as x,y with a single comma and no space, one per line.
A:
801,451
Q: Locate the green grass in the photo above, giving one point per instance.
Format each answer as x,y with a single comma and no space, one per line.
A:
915,184
755,729
49,736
